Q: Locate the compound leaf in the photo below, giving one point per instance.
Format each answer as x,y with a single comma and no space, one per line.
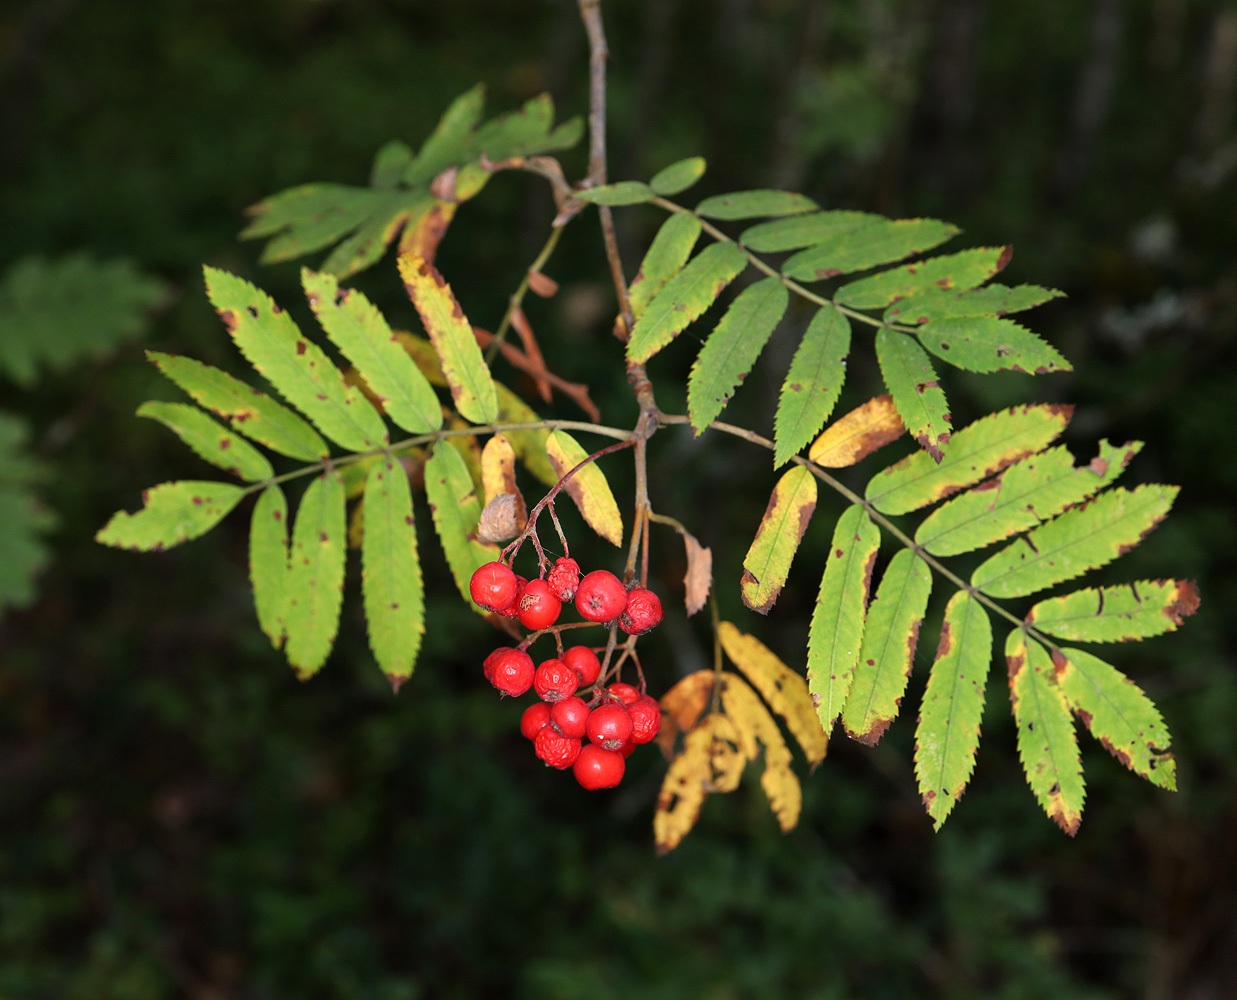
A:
803,230
588,487
684,298
921,403
391,572
1078,540
732,349
955,272
767,563
1117,614
268,562
316,574
1047,745
889,639
1118,714
812,384
23,519
172,513
879,241
210,440
464,368
456,511
977,451
991,300
750,204
953,704
989,344
853,437
665,258
678,176
838,619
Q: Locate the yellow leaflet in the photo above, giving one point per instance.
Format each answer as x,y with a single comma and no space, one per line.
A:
754,723
588,487
784,690
710,762
682,705
857,434
767,563
726,760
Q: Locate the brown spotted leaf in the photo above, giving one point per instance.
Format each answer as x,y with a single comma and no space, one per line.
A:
767,563
854,437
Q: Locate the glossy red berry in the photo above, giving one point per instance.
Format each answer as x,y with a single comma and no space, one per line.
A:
570,716
584,662
535,718
625,693
564,578
598,768
555,681
493,586
642,612
557,751
601,597
512,672
645,720
488,665
512,610
609,726
627,748
538,607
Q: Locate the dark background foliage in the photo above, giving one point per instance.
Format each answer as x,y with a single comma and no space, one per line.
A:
179,817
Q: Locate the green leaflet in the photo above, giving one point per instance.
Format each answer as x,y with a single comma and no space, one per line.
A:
953,705
1076,541
448,144
369,242
956,272
299,369
838,618
268,562
1118,714
812,384
1117,614
588,487
803,230
989,344
391,572
991,300
456,510
316,575
529,445
463,366
732,349
310,217
362,334
526,132
253,413
678,176
665,258
749,204
767,563
881,241
1031,490
1047,745
889,640
173,513
390,163
977,451
620,193
684,298
921,403
210,440
23,518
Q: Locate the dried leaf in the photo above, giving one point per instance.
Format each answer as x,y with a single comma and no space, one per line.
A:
854,437
683,704
911,380
698,580
754,723
542,284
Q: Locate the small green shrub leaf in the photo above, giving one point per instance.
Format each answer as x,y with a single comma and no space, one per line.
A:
316,575
955,272
620,193
881,241
799,231
812,385
1117,614
989,344
665,258
991,300
750,204
210,440
172,513
456,511
912,383
678,176
268,562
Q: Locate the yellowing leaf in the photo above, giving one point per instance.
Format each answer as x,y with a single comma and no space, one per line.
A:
855,436
767,563
754,723
682,705
587,487
498,468
707,763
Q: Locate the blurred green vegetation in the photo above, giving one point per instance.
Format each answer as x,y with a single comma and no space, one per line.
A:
180,818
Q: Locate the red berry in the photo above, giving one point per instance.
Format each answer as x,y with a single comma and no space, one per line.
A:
535,718
598,768
493,586
601,597
557,751
538,607
609,726
512,610
645,720
488,665
555,681
512,672
584,662
564,578
627,748
570,716
643,612
625,693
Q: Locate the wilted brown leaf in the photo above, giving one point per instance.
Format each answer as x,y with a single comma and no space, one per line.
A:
699,577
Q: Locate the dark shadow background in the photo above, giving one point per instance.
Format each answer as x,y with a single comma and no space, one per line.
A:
179,817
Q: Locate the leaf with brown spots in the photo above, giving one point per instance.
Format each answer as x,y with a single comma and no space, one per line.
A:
853,437
955,272
709,762
172,513
813,383
990,344
754,725
767,563
316,574
911,380
268,562
1117,614
422,236
211,441
588,487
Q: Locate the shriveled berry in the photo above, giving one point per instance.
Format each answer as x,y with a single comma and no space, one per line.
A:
643,612
493,586
488,665
598,768
555,681
625,693
512,672
584,662
563,578
645,720
570,716
601,596
609,726
535,718
538,607
557,751
512,610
